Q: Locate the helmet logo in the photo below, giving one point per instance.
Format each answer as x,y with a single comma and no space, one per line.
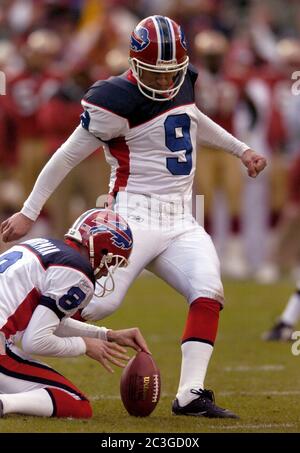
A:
139,39
120,238
182,39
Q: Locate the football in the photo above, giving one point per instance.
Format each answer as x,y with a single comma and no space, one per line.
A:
140,385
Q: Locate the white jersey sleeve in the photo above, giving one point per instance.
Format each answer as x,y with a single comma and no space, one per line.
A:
78,146
39,336
71,327
102,123
211,134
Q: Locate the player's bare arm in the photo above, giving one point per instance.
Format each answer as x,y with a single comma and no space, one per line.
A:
15,227
255,163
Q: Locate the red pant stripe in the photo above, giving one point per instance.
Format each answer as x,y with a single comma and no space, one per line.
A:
32,372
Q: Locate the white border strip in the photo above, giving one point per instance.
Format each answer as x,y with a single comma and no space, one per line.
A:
158,37
173,39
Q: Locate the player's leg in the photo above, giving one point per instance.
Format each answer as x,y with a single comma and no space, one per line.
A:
32,388
282,330
32,154
146,245
191,266
256,227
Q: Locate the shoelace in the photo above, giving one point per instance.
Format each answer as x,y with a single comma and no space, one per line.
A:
203,393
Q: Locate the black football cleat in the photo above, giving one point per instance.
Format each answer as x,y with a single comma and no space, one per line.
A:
1,409
202,406
279,332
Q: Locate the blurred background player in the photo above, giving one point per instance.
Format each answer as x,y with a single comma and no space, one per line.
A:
284,256
28,92
288,256
219,174
252,123
31,83
148,123
285,325
43,283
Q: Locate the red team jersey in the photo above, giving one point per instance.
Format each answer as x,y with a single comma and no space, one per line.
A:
28,92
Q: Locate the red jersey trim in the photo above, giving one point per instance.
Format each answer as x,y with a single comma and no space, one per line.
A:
120,151
19,320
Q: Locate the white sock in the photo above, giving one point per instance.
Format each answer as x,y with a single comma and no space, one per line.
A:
195,359
291,313
35,402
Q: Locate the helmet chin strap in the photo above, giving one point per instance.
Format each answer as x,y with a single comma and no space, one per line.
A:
109,284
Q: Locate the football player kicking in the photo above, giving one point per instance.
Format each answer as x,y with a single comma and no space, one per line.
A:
43,282
149,125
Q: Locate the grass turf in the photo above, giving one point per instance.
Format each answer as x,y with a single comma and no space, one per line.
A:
259,381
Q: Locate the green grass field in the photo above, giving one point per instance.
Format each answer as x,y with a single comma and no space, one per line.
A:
257,380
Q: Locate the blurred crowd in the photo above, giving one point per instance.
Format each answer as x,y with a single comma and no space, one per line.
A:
246,51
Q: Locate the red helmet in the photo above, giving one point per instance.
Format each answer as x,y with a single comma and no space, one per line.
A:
107,237
158,45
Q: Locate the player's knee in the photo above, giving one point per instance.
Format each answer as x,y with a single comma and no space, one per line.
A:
217,289
99,310
211,287
66,405
84,410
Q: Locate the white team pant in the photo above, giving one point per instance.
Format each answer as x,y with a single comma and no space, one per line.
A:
169,243
32,380
19,372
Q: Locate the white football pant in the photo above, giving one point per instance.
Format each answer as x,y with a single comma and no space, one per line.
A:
169,242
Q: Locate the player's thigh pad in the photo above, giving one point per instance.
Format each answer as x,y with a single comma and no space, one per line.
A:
190,265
